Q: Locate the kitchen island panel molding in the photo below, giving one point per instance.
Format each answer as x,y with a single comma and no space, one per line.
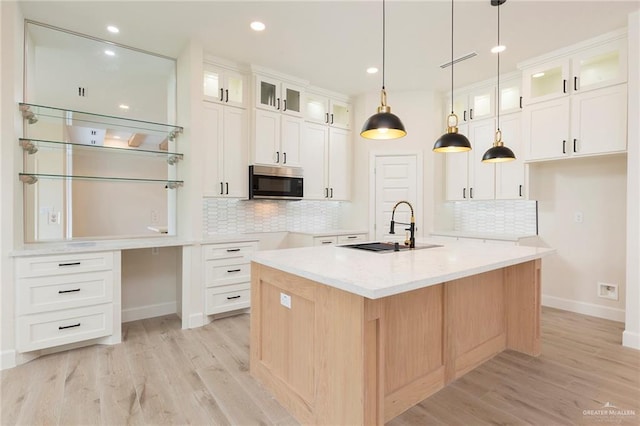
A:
336,357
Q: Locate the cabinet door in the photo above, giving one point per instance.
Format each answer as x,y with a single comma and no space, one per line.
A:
482,103
600,66
313,159
267,137
599,121
510,175
213,84
340,114
212,116
234,156
267,93
339,164
546,130
317,108
291,139
456,175
234,84
292,100
510,96
460,106
481,175
546,81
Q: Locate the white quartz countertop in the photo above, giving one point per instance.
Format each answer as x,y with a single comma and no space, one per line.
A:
37,249
377,275
331,232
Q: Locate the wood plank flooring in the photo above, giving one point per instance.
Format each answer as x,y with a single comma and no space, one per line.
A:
162,375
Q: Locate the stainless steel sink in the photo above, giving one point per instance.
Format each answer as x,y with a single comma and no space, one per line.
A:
379,247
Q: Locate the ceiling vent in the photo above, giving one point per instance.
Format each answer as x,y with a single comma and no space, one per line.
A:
459,59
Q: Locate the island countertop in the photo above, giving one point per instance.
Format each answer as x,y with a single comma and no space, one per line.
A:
377,275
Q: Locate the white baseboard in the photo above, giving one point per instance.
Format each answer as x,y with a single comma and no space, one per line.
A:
196,320
585,308
631,340
7,359
149,311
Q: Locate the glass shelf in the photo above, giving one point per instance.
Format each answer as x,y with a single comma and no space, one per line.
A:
31,178
31,112
31,146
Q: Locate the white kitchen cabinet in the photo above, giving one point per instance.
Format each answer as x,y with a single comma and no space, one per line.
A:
66,298
510,95
227,276
327,110
466,177
591,65
225,151
273,94
589,123
510,176
474,103
224,85
300,239
326,161
277,139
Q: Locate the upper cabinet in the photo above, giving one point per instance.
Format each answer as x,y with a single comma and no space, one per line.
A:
279,95
224,85
575,105
600,63
327,109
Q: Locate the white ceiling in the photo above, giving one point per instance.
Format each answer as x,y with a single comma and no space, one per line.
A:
331,43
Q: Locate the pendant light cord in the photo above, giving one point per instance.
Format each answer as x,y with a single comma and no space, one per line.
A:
452,57
498,88
383,40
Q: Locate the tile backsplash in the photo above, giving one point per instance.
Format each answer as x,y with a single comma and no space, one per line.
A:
229,216
502,217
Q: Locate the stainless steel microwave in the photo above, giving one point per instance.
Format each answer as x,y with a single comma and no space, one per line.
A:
283,183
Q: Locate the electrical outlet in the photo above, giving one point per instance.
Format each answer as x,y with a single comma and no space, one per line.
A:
285,300
608,291
578,217
53,218
155,250
154,217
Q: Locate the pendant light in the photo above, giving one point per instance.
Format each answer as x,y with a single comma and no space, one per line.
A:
383,124
452,141
498,153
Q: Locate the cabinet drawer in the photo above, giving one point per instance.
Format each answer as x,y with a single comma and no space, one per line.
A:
325,241
223,272
42,294
346,239
50,329
228,250
63,264
228,298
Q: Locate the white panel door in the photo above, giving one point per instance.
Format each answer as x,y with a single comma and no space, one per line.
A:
267,137
395,180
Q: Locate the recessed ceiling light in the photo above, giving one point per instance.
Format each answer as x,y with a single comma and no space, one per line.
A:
123,106
498,49
113,29
538,75
257,26
372,70
110,53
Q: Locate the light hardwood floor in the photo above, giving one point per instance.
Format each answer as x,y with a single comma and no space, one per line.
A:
164,375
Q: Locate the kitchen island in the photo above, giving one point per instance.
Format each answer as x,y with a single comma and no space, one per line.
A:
342,336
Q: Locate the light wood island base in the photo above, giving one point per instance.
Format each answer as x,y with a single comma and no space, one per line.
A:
337,358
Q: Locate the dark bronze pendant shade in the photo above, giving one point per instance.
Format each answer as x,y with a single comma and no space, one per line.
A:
452,141
383,125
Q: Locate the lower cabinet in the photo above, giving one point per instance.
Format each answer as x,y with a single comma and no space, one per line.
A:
300,239
227,276
64,299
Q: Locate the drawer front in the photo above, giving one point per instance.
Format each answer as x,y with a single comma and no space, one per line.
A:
325,241
39,331
43,294
223,272
229,250
228,300
63,264
353,238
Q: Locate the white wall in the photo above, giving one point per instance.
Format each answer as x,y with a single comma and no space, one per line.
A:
589,252
420,113
10,157
631,336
